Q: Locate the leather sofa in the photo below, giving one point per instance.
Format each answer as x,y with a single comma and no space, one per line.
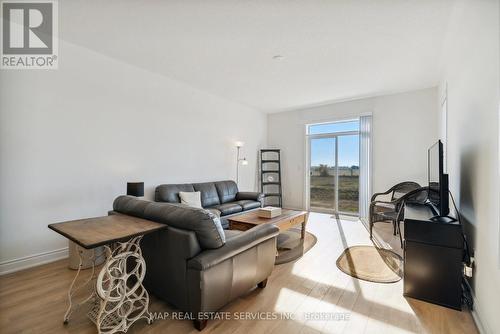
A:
194,264
222,196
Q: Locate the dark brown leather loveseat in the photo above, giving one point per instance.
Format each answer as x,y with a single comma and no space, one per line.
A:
194,264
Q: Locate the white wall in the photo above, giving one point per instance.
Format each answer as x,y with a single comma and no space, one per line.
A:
471,71
404,126
70,139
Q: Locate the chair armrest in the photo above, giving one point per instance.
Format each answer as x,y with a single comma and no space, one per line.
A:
383,202
233,246
251,195
374,197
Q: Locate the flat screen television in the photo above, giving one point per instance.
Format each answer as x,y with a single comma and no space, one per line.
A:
438,180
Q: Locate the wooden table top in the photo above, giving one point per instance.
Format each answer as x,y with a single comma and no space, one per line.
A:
93,232
253,218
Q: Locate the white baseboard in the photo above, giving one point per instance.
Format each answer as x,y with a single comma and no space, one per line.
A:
34,260
477,320
481,325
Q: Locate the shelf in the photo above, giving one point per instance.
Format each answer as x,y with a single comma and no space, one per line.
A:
271,156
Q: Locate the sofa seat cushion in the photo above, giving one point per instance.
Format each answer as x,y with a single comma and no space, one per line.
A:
228,208
247,204
224,222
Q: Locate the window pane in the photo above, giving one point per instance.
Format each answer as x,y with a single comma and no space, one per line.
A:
348,159
322,178
334,127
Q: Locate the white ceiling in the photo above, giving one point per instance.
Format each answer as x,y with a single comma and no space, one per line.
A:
332,49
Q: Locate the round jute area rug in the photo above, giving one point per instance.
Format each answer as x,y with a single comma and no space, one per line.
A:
371,264
291,246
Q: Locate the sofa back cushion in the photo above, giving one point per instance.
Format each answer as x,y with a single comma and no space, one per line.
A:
209,195
205,224
170,192
227,191
130,205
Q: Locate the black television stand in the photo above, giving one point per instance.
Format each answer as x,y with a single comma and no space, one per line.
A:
433,255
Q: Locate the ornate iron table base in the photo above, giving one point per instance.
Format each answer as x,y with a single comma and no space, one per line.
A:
118,299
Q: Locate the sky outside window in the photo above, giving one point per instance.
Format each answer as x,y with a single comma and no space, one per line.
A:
321,150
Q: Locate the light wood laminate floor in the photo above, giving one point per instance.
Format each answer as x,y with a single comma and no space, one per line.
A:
34,300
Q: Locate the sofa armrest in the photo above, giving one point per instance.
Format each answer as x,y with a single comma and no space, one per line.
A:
250,195
233,247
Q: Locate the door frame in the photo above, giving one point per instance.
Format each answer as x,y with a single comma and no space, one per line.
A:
309,138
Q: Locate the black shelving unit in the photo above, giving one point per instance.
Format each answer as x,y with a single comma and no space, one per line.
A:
271,188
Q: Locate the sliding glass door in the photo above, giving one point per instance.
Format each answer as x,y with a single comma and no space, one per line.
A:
334,171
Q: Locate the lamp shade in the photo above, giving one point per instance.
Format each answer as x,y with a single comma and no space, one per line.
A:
135,189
